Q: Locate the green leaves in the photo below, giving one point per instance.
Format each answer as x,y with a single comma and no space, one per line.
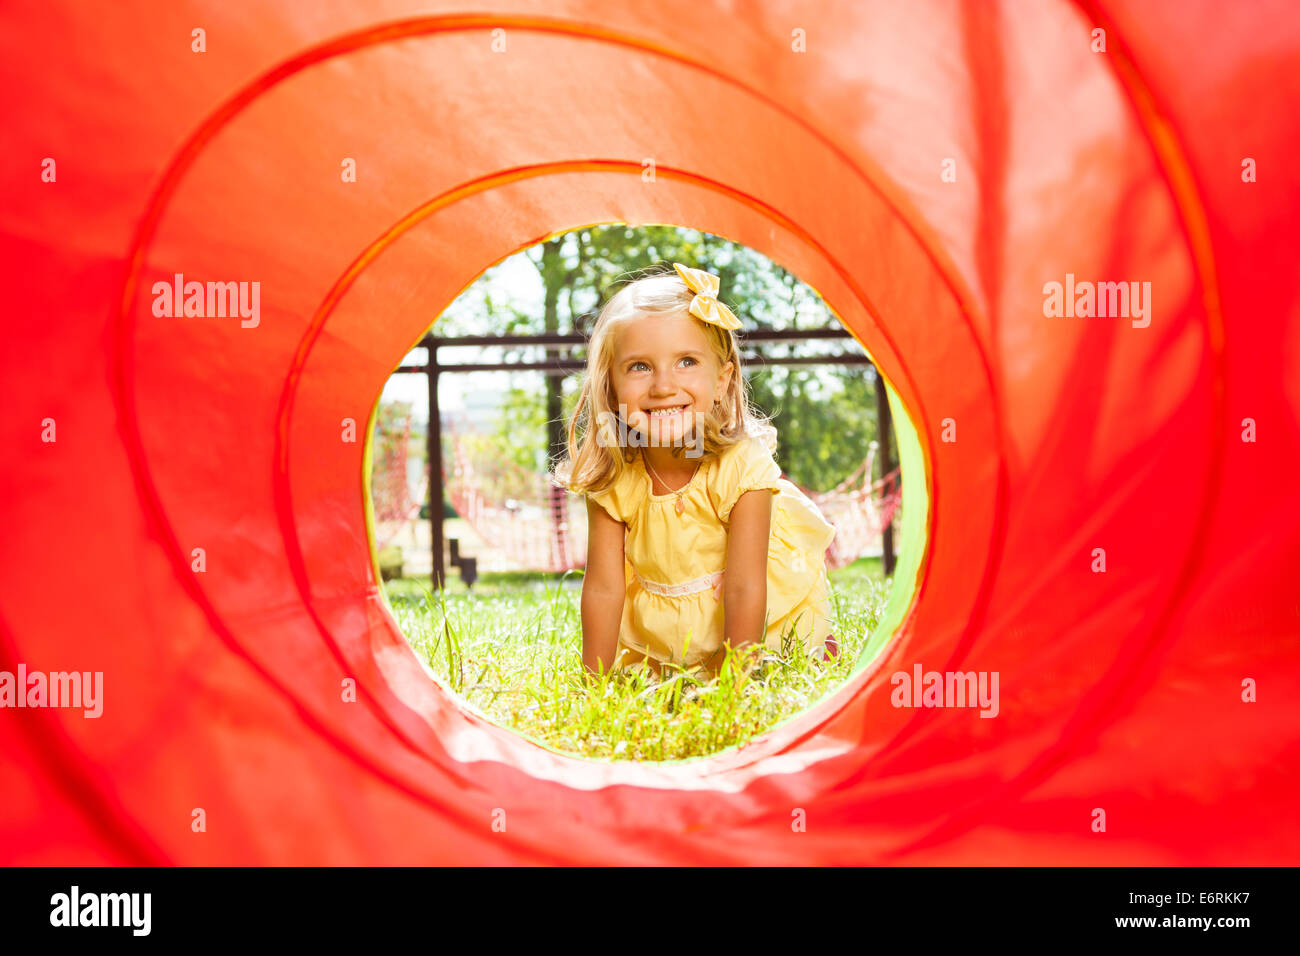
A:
825,419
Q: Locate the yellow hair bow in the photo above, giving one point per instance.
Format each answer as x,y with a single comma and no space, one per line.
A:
705,304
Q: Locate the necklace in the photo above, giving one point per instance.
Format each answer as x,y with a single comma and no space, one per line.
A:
680,505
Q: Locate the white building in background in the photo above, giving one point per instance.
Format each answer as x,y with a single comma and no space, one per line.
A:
480,410
472,410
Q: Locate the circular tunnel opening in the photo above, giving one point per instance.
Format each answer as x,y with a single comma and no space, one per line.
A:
468,429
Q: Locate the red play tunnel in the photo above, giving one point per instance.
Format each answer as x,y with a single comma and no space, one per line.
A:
930,168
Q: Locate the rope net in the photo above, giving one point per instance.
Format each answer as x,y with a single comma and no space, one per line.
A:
524,522
390,488
860,510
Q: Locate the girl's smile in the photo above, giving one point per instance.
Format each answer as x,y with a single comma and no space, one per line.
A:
666,412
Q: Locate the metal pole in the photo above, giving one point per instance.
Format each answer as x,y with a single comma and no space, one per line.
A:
435,465
885,435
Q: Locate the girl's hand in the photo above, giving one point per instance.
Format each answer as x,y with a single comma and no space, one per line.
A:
751,662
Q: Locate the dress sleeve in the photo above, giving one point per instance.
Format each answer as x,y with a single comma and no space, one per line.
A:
746,466
617,498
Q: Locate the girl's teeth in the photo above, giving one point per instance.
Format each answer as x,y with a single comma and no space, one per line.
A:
661,412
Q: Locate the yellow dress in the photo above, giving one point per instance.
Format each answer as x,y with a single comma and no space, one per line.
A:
673,610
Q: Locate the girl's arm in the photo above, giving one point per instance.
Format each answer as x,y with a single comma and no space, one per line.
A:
744,586
603,588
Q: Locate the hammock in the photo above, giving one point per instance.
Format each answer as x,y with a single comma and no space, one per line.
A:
860,511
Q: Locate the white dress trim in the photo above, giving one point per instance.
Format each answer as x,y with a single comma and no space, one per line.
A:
693,586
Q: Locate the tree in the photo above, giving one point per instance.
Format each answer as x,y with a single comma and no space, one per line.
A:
825,420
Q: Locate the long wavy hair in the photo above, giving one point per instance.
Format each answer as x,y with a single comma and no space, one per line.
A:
591,463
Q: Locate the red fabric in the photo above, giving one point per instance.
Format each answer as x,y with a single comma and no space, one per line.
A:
1119,690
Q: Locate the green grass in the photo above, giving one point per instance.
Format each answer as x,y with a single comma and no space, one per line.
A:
511,648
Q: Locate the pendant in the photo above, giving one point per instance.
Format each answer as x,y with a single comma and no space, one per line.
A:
681,505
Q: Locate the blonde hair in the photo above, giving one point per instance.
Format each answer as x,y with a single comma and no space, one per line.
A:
592,465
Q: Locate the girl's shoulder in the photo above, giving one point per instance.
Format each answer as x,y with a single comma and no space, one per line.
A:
747,465
748,452
624,495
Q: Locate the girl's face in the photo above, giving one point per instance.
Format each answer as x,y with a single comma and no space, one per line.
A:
665,374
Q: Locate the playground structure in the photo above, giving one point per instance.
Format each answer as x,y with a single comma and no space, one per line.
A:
528,523
1105,511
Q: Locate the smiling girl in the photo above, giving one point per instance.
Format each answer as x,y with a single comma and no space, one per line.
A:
695,543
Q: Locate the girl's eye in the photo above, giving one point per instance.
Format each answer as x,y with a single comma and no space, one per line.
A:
638,365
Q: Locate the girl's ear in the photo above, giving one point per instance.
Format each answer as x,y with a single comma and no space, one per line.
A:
724,378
